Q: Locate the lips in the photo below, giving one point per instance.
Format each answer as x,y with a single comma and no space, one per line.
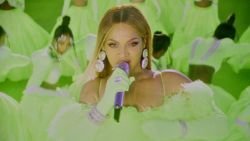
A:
127,61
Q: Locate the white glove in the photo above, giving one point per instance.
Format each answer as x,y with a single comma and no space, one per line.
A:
118,82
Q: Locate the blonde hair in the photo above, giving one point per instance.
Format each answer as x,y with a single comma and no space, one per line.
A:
127,14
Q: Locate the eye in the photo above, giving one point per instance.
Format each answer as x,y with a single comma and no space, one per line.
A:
112,45
134,43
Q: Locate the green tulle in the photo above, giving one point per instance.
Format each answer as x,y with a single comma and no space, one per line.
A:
38,106
195,22
183,56
46,68
24,35
241,59
150,13
239,115
171,14
245,37
11,125
194,106
222,98
81,28
14,67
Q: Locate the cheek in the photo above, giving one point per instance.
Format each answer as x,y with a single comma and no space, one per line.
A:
111,58
135,56
61,48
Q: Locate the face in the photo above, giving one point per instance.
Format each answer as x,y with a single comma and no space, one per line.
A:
63,43
124,43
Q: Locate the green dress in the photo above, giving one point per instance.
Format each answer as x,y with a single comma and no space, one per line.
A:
11,125
150,12
81,29
38,106
210,52
171,14
46,68
24,34
14,67
195,22
241,59
189,115
245,37
103,6
204,51
239,115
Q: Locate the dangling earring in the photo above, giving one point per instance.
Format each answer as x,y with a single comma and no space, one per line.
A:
99,66
144,63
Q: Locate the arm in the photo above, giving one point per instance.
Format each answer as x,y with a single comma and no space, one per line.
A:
89,92
42,65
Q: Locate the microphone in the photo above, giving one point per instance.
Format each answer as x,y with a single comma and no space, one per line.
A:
118,103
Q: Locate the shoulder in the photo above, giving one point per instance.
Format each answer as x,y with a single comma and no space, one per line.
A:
89,91
173,80
166,77
174,75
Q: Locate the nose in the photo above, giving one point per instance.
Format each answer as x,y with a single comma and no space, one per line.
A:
123,52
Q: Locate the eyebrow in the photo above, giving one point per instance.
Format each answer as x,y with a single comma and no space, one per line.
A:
128,40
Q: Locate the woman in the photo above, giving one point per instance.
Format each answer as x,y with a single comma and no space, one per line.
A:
79,11
204,57
203,51
15,68
151,98
46,90
57,60
160,44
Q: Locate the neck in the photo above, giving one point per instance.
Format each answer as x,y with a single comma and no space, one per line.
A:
141,74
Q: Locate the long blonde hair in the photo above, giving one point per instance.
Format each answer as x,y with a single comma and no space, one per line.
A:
127,14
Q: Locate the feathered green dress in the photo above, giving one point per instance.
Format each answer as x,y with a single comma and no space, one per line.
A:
189,115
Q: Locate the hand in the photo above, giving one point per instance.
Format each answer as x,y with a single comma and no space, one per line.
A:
118,82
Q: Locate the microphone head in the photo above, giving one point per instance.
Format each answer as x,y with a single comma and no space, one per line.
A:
124,66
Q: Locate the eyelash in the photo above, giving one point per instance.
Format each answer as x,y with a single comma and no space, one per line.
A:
114,45
133,44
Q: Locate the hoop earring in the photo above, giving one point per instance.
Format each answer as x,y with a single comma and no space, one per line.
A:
144,62
99,66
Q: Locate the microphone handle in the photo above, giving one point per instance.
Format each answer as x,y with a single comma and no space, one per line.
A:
118,105
120,95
